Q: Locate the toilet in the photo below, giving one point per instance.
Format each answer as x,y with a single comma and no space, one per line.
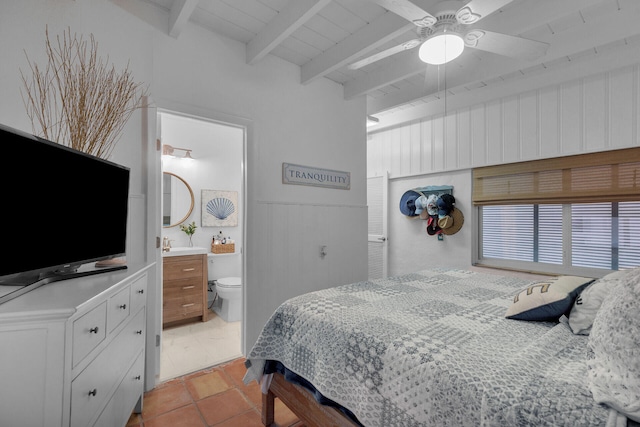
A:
224,271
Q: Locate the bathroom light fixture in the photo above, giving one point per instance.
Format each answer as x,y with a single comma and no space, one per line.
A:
168,150
372,121
444,46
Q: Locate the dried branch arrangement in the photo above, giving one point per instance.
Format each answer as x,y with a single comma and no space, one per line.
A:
76,99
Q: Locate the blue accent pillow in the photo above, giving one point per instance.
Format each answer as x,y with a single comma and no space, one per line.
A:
547,300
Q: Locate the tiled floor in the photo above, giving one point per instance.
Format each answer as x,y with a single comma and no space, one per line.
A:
198,345
211,397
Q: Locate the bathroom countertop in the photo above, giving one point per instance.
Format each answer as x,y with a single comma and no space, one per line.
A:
181,251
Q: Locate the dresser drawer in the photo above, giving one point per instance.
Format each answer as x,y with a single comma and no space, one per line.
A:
118,308
183,267
89,331
92,387
138,293
119,409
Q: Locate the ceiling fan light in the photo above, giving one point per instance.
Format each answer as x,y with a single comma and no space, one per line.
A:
441,48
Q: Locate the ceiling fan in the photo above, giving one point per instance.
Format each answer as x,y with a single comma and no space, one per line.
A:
443,35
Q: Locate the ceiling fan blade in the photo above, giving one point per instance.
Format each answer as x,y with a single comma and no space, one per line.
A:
506,45
475,10
385,53
408,11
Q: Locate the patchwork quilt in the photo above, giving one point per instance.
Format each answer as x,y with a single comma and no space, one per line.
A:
432,348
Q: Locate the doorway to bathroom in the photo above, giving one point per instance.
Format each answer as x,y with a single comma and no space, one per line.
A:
203,185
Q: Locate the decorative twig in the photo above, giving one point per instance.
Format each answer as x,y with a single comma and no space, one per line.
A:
77,100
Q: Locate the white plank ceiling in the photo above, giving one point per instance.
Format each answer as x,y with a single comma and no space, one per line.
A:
323,37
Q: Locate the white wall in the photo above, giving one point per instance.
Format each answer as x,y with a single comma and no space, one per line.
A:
592,114
410,247
309,125
202,74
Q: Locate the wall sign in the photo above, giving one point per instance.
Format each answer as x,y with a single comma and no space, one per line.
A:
306,175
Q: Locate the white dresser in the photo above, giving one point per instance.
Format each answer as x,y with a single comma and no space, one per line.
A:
72,352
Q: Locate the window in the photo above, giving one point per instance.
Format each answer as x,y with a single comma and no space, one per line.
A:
576,214
601,235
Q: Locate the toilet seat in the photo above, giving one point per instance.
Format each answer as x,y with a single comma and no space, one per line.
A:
229,282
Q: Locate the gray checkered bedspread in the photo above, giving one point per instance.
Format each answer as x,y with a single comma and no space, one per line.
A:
432,349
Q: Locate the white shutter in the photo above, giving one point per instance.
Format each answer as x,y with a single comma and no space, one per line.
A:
507,232
602,235
550,234
591,235
628,234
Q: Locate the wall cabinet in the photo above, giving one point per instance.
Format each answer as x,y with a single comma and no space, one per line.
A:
73,351
184,288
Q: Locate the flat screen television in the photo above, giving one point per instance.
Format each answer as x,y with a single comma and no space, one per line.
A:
62,211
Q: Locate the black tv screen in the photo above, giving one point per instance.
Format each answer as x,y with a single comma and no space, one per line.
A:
62,208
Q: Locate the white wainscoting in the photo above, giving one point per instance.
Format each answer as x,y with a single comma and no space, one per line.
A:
591,114
293,234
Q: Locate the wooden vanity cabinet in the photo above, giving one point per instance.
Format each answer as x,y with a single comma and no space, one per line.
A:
184,289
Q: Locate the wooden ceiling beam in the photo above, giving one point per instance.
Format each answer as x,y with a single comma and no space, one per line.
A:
179,15
288,20
382,30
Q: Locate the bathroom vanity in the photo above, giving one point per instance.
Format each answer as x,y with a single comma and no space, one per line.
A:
184,285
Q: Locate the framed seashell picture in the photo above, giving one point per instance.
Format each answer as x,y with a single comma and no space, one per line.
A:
219,208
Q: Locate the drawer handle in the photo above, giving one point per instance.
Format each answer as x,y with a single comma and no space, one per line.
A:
137,377
93,392
123,306
139,332
188,305
188,269
141,291
188,287
93,330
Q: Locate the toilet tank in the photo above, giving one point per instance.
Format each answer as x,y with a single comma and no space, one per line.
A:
224,265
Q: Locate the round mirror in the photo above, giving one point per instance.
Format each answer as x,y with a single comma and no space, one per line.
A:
177,200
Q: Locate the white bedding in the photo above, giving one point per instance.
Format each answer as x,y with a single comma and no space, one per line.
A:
433,348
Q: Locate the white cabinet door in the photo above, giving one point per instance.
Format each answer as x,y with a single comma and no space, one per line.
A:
30,365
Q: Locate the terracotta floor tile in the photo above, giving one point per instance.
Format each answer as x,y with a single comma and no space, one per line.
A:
187,416
222,406
283,415
208,384
247,419
165,398
253,393
197,374
214,397
236,371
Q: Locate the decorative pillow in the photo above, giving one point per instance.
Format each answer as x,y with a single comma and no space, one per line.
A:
613,360
588,302
547,300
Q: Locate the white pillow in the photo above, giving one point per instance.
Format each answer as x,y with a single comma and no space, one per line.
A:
588,302
614,349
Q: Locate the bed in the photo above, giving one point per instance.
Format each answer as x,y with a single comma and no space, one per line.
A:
434,348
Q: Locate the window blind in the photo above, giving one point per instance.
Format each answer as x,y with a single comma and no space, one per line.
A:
610,176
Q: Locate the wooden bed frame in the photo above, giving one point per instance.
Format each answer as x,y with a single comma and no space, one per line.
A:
302,403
